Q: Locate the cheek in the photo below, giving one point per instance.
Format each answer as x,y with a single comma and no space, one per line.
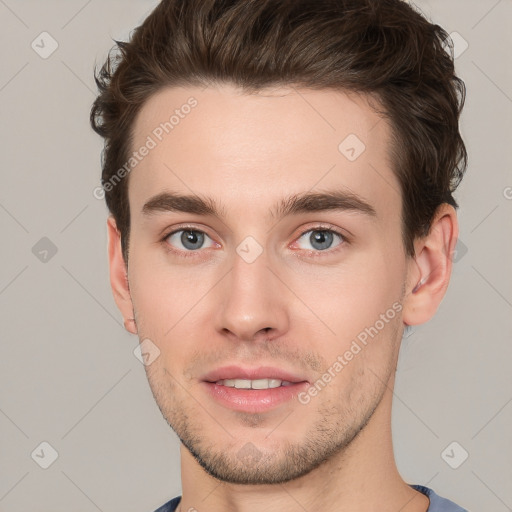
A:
172,302
351,297
161,294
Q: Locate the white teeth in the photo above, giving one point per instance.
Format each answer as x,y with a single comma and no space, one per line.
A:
238,383
253,384
265,383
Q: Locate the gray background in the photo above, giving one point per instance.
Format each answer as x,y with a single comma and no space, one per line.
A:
68,375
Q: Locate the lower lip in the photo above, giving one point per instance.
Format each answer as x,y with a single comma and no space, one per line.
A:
254,400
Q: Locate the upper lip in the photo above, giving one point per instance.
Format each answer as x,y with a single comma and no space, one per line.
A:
261,372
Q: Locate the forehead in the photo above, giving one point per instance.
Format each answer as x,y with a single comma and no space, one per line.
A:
248,150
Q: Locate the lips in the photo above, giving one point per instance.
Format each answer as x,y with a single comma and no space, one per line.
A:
253,390
253,384
263,372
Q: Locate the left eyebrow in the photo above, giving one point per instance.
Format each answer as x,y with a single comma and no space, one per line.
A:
307,202
340,200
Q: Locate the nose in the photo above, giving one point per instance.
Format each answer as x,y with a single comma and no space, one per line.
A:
252,302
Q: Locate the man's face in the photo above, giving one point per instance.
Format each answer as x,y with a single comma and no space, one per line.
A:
265,282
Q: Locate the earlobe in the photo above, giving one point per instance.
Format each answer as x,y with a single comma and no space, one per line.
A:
130,325
118,276
430,270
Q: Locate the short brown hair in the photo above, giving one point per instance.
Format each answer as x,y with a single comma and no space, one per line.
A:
383,48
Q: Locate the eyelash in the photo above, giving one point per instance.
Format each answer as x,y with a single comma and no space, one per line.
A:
193,254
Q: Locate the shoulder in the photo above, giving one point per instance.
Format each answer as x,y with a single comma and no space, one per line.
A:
170,506
437,503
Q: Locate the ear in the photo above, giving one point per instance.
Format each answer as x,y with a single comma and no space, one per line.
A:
430,270
119,276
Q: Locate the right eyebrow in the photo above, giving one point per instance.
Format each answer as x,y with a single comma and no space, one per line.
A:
171,202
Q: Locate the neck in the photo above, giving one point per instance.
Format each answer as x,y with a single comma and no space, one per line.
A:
362,478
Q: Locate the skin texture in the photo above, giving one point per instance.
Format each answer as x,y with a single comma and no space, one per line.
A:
295,307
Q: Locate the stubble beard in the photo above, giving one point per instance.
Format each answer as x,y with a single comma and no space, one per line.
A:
244,462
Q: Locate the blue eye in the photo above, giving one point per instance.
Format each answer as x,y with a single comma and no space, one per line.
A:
321,239
190,239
